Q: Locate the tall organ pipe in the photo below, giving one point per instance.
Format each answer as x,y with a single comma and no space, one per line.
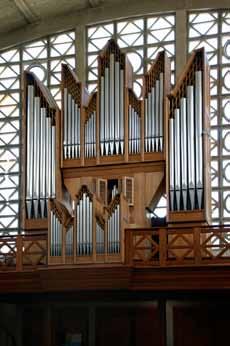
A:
161,102
111,103
102,117
36,154
157,115
121,121
84,223
198,129
43,163
106,111
65,116
117,106
177,157
152,121
184,153
53,160
172,161
30,144
191,160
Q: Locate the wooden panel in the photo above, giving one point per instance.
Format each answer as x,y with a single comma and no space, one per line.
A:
33,326
69,320
128,325
200,324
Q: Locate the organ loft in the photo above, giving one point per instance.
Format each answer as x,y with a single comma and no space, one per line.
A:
93,169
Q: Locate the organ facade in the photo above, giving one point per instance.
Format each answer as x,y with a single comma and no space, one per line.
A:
92,169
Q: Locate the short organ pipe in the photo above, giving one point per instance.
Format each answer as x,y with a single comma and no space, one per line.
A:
84,225
71,126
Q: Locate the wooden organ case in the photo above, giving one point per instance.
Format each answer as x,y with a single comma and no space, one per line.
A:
92,169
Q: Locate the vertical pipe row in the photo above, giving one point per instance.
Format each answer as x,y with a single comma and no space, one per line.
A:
41,149
134,131
112,109
114,231
100,239
69,241
71,124
198,134
55,235
90,136
30,135
186,150
154,116
84,225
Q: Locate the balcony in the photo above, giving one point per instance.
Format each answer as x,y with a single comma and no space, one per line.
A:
144,248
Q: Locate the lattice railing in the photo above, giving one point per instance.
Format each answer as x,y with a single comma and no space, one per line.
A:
23,251
165,247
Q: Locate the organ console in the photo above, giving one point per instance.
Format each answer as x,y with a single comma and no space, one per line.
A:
92,169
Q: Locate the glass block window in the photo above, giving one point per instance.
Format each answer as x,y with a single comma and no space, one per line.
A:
44,58
211,29
141,38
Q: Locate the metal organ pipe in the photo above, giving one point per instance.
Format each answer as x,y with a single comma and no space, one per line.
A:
90,136
55,235
191,153
134,131
30,136
177,157
172,161
183,119
43,163
111,103
117,107
71,123
100,247
36,154
102,116
112,108
186,151
161,104
121,121
106,111
114,230
157,115
198,129
65,139
84,223
152,120
69,241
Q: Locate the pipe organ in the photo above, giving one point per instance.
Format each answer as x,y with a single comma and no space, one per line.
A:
188,144
40,113
92,170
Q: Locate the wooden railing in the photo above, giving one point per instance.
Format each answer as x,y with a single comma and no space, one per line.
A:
155,247
165,247
23,252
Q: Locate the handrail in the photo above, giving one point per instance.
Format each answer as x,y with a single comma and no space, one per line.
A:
165,247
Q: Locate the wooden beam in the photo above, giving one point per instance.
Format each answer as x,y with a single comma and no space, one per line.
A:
27,13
